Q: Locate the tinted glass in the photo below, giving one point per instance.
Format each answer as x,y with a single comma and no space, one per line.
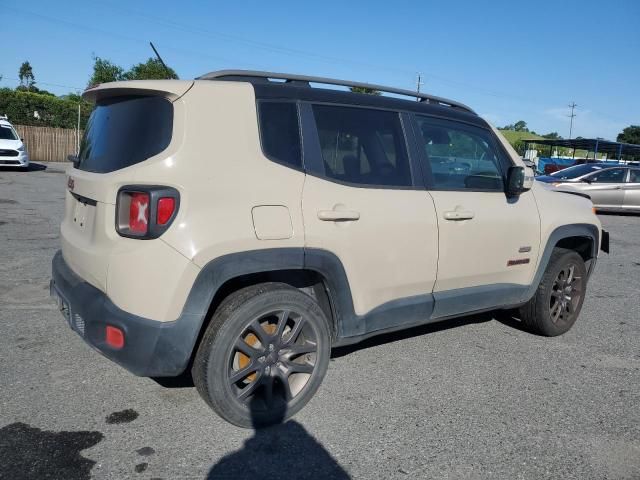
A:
614,175
634,176
362,146
280,133
7,133
461,157
575,172
123,131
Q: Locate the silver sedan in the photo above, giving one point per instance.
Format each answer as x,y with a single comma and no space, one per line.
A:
611,187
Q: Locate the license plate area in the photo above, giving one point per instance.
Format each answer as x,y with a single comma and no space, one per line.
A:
63,304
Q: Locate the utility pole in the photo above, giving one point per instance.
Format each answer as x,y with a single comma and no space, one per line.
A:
78,133
419,83
572,106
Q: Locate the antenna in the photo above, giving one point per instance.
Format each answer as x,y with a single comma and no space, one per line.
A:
419,83
572,106
160,58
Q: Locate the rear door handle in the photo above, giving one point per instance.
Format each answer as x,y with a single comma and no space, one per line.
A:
338,215
459,215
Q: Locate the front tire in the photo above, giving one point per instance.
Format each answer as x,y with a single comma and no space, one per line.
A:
263,355
557,303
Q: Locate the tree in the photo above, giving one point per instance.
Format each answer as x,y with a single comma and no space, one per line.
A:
369,91
25,74
520,126
104,71
152,69
552,136
631,134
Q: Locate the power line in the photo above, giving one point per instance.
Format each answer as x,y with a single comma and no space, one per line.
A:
46,83
572,105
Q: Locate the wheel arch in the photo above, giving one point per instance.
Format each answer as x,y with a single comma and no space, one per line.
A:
584,238
318,273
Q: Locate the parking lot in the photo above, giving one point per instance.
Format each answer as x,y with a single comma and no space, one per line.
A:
469,398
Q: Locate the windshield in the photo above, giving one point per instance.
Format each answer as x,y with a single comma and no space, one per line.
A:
7,133
575,172
123,131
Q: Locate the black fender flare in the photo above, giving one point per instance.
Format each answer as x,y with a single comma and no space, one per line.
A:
586,230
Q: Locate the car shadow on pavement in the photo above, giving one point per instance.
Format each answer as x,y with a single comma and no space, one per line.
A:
413,332
33,167
284,450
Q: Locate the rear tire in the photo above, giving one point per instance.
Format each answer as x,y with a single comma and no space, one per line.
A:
263,356
558,300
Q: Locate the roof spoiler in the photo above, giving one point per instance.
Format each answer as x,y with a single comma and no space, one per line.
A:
171,89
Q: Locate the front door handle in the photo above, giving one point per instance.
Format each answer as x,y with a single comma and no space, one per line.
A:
338,215
459,215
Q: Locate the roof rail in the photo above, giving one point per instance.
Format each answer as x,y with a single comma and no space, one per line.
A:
247,75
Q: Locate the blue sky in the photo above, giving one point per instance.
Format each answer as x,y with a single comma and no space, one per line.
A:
507,60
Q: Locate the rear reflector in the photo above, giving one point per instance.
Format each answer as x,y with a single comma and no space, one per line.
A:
114,337
139,213
166,206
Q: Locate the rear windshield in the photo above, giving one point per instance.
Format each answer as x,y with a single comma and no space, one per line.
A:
123,131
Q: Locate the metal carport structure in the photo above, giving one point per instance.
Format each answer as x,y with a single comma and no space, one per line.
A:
613,150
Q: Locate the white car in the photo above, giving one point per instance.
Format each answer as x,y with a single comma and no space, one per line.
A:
13,153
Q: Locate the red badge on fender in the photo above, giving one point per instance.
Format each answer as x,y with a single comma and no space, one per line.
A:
70,183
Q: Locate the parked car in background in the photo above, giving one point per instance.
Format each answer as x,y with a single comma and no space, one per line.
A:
611,187
13,153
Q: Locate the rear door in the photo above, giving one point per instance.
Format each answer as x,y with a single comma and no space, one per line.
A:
632,190
605,187
362,202
488,243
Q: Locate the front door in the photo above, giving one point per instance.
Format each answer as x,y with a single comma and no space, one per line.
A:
605,187
361,203
488,243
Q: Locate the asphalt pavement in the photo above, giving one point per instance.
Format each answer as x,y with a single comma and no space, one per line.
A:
468,398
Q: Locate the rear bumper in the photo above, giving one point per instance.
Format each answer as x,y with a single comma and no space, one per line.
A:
151,348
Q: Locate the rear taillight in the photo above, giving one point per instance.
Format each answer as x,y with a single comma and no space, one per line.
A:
139,213
166,207
144,211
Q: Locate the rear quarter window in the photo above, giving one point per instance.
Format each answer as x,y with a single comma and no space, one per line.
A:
123,131
280,132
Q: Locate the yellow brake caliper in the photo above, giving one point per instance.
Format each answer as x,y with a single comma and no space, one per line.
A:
252,341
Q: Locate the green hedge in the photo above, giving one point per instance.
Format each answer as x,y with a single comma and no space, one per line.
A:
53,111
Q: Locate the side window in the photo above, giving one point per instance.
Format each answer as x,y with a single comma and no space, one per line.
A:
280,132
613,175
362,146
461,157
634,176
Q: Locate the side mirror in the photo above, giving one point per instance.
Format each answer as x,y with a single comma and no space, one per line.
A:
73,159
518,181
586,180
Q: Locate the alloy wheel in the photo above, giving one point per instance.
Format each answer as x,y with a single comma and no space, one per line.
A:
272,359
565,294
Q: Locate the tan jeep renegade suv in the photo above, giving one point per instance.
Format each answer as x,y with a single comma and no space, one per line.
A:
240,225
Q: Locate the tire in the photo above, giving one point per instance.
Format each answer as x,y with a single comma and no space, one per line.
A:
557,303
254,378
